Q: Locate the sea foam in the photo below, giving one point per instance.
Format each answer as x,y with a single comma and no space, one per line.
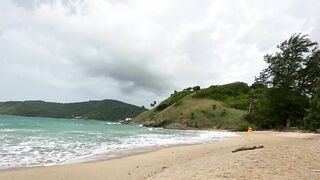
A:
28,142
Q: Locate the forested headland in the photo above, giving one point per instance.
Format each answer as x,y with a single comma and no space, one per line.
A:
108,109
285,94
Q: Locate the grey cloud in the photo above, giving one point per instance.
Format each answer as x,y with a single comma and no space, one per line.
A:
139,51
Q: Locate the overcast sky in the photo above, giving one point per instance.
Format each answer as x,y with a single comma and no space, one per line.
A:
138,51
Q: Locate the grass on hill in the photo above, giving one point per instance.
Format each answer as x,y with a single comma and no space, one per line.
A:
195,113
234,95
173,99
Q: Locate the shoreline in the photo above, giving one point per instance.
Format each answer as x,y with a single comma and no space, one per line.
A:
102,159
71,142
286,156
126,153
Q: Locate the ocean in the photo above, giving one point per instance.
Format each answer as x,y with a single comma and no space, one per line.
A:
35,141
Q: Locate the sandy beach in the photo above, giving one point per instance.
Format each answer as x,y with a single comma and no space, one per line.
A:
286,155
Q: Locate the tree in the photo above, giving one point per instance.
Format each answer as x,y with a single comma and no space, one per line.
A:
291,74
310,75
196,88
312,121
187,89
295,67
261,112
153,103
287,107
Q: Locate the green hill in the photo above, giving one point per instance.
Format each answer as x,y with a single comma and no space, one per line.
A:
220,107
100,110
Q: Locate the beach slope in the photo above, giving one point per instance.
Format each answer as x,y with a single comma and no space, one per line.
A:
285,155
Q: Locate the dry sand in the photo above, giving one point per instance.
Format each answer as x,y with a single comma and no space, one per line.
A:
284,156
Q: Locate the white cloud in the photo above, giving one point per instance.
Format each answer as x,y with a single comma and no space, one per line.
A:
139,51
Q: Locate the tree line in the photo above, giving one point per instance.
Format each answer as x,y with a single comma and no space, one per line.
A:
287,92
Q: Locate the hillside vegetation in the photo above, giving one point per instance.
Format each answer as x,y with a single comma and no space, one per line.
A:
220,107
100,110
284,95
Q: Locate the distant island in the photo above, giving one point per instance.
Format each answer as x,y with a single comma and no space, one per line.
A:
111,110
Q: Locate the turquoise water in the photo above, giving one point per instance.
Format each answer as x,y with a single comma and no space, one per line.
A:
31,141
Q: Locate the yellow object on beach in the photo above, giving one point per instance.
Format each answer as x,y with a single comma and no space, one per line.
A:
249,130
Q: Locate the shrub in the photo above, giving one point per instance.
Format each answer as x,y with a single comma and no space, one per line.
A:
161,106
178,103
232,89
172,100
214,107
312,121
224,112
243,126
196,88
192,115
239,102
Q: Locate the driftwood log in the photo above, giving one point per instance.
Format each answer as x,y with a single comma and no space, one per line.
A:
247,148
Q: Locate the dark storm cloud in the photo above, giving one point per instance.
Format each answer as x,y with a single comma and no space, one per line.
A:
139,51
